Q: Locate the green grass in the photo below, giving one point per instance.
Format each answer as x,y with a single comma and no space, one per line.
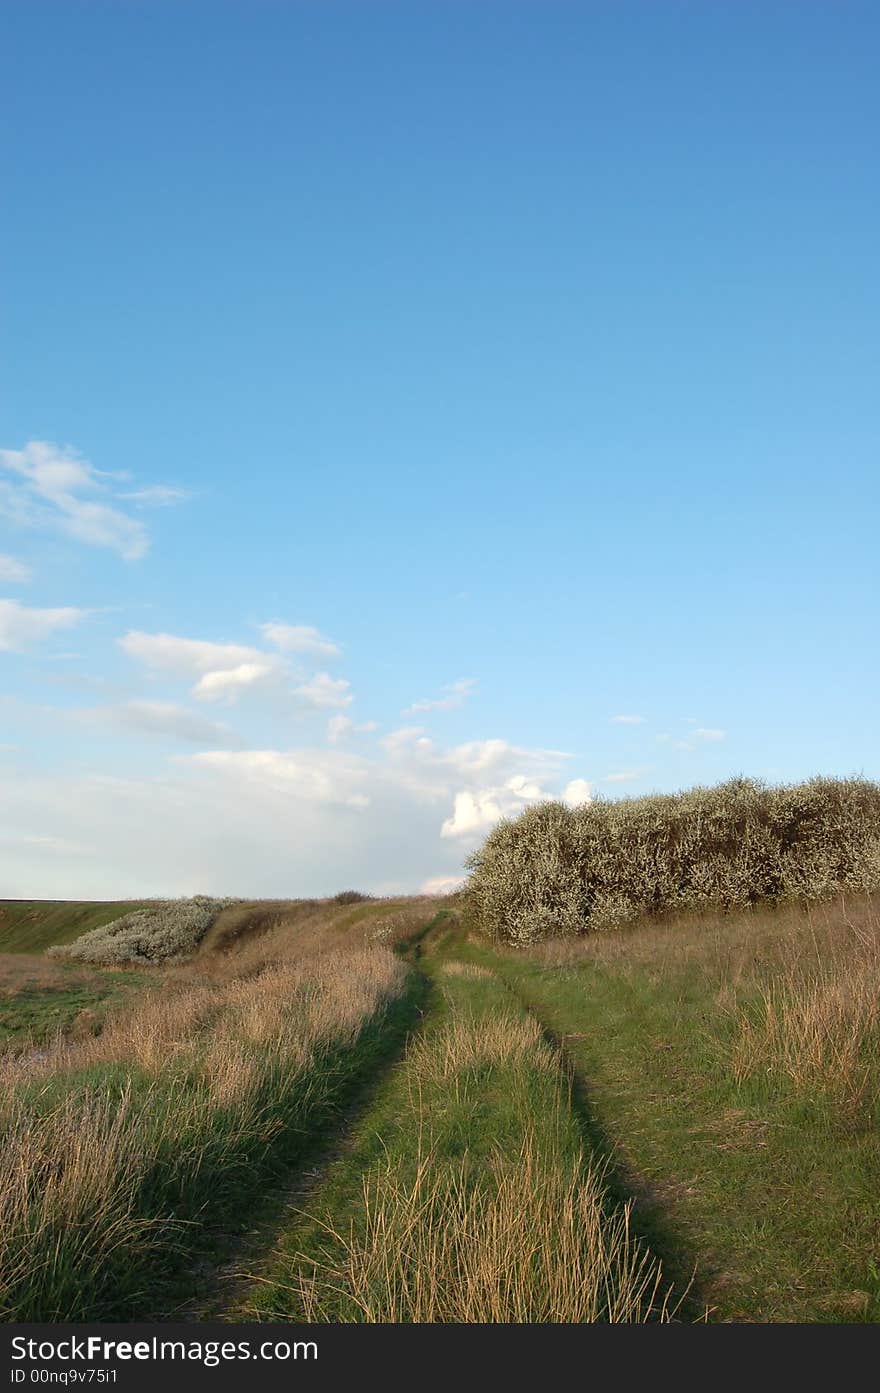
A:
36,1014
29,926
772,1192
466,1134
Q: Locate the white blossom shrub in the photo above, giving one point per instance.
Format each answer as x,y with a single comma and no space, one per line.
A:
162,932
557,870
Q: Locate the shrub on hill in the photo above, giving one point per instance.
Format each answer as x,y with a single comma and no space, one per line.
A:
350,897
557,870
161,932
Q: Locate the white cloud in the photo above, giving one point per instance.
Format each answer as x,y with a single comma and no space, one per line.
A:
628,720
300,638
473,812
457,694
162,719
46,485
323,691
577,792
702,733
626,776
228,683
21,626
13,570
476,810
186,656
225,670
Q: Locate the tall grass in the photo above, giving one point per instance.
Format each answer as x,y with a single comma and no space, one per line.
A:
117,1150
556,870
528,1241
815,1022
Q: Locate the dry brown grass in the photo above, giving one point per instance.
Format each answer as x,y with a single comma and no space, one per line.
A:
528,1241
216,1063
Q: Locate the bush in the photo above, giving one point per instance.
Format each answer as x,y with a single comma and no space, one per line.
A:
163,931
557,870
350,897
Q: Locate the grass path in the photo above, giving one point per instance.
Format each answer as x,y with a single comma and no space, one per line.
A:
468,1189
649,1216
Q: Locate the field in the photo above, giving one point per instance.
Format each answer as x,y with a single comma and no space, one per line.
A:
366,1110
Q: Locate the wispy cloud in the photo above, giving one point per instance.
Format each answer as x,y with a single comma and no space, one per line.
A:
47,485
627,776
20,626
456,694
628,720
314,777
157,496
702,735
13,570
299,638
161,719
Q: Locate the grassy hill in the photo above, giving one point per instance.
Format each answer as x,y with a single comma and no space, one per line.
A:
30,926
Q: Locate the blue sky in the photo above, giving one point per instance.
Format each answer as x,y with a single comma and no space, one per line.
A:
393,397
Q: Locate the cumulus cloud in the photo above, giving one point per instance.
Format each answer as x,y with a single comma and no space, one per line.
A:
456,694
577,792
323,691
300,638
628,720
161,719
20,626
475,811
13,570
46,485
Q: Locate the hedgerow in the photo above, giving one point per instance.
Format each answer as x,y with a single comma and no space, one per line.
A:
557,870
